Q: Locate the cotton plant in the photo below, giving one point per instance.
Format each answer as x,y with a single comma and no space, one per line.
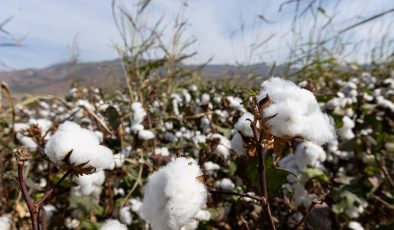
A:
280,113
73,149
173,195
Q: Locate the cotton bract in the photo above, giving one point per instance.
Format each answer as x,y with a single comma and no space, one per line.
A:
295,112
83,143
173,195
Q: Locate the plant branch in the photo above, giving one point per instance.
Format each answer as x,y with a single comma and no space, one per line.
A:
314,203
50,192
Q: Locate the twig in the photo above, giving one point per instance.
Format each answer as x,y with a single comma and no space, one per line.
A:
216,192
314,203
382,201
26,196
50,192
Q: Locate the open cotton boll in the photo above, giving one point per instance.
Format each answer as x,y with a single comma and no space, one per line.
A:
135,205
205,98
225,184
354,225
83,143
49,211
210,168
243,124
5,222
345,132
224,146
125,215
119,159
112,224
145,135
162,151
205,124
136,127
234,103
203,215
138,113
295,112
308,153
88,183
385,103
237,144
173,195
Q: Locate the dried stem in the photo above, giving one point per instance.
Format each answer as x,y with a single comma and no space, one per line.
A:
300,224
37,213
26,196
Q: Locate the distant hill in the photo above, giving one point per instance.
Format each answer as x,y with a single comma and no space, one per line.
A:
57,79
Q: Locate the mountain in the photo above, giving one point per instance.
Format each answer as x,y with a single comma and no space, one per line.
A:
57,79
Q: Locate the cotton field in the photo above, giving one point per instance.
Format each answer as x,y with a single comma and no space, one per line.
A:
280,155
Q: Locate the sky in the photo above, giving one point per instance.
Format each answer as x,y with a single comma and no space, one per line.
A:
225,30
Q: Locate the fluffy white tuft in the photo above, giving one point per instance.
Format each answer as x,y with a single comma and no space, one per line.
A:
83,143
296,112
89,183
112,224
173,195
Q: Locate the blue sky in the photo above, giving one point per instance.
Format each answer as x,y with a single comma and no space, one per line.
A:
50,26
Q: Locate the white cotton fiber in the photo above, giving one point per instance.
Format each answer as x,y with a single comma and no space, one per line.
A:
138,113
243,124
296,112
89,183
345,132
83,143
224,147
173,195
125,215
225,184
237,144
5,222
145,135
112,224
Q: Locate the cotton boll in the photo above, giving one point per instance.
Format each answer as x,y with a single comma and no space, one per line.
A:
136,128
225,184
205,124
135,205
234,103
83,143
243,124
354,225
224,146
125,215
191,226
237,144
173,195
5,222
71,223
88,183
119,159
146,135
203,215
186,96
381,101
49,211
112,224
210,168
295,112
345,132
308,153
162,151
138,113
205,98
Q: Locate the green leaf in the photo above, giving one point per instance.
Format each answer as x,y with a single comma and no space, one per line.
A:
86,204
317,173
88,224
276,177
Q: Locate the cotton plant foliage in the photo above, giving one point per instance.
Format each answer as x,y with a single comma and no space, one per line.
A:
83,144
295,112
173,195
